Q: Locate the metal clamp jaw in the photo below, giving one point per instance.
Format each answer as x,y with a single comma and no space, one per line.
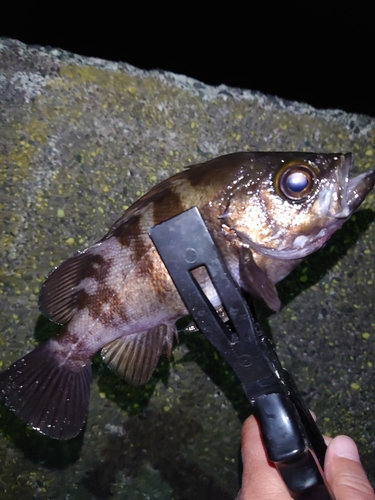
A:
291,436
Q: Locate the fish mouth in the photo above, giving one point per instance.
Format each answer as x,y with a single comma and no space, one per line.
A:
358,188
342,196
337,202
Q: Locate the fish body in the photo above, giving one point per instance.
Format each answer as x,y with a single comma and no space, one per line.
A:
265,211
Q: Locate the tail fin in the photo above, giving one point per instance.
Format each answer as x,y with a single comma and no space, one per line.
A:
51,397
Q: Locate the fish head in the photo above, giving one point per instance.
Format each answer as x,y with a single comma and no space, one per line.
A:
288,205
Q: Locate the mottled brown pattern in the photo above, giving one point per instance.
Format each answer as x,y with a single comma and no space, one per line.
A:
127,230
148,266
139,242
104,295
216,170
96,304
139,207
95,265
133,233
167,204
58,298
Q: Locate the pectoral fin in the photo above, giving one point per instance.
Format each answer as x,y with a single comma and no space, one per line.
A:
135,357
256,282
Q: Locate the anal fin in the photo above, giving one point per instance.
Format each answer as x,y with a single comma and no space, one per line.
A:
134,357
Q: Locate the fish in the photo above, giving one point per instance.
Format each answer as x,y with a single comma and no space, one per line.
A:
266,212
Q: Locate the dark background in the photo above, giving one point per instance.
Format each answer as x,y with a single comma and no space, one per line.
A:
303,51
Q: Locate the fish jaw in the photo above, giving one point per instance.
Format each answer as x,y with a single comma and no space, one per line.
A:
358,189
336,199
341,196
344,196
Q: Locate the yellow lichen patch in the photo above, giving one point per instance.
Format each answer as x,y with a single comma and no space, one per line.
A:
132,90
355,386
86,73
102,77
37,130
149,84
21,156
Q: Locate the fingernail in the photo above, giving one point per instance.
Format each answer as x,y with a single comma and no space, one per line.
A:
345,447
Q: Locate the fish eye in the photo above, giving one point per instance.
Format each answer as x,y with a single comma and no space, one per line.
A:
295,180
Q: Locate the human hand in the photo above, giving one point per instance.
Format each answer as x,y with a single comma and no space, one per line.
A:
261,480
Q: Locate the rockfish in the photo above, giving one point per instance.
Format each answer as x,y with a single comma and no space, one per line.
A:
265,212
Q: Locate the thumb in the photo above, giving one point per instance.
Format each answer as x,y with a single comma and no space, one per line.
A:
344,471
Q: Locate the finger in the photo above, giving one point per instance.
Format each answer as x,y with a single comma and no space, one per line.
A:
260,479
344,471
327,440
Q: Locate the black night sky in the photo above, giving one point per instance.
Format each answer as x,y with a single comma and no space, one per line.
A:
322,55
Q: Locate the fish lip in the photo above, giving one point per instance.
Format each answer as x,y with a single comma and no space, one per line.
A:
341,201
352,191
358,188
343,183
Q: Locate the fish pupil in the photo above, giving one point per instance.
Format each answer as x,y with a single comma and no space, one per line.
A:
297,181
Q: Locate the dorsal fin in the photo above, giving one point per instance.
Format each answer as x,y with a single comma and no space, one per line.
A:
58,295
135,357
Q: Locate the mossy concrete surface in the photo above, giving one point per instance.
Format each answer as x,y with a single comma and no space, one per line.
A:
80,140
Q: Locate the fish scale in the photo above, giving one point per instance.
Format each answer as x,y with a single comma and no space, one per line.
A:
265,212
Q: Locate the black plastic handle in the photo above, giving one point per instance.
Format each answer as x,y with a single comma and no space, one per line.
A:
287,447
184,243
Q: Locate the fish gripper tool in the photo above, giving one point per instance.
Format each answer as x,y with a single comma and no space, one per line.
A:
291,437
